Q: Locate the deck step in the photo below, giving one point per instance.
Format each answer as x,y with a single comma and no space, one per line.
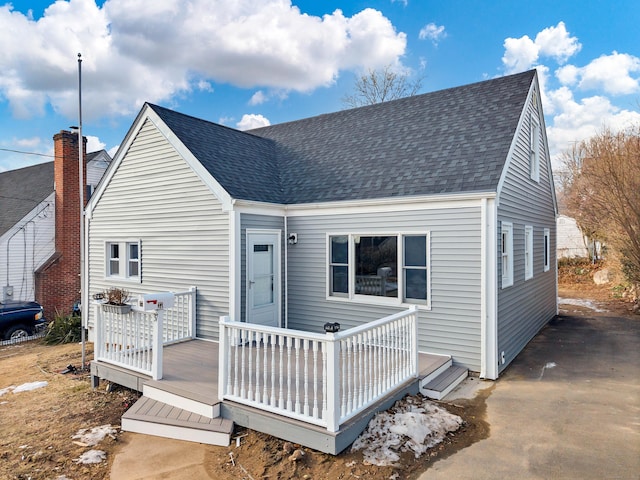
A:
444,383
151,417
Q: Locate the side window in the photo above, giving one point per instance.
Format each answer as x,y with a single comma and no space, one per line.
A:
123,260
547,252
506,245
534,148
528,252
133,259
415,268
339,265
113,260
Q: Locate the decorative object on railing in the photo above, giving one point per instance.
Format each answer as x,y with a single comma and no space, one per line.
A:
115,300
331,327
320,379
134,340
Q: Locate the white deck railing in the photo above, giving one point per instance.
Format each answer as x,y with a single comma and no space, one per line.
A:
323,379
134,340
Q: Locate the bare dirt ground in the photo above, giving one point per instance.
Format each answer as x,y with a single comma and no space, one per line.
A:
36,427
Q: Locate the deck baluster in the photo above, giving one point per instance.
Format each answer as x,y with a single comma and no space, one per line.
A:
315,378
306,376
281,370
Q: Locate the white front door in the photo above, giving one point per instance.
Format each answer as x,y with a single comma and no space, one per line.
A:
263,278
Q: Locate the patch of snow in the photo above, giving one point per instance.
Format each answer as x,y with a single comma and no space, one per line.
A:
93,436
580,303
413,424
92,456
2,403
547,366
26,387
6,390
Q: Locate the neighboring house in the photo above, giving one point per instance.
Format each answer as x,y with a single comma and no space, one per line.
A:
443,202
572,242
32,200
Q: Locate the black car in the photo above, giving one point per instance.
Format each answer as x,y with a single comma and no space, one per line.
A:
20,319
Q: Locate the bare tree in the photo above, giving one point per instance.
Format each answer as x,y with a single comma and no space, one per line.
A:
382,85
601,185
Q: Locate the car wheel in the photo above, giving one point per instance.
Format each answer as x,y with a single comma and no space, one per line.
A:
16,332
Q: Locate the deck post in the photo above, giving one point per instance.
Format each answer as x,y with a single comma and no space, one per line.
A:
333,382
223,357
99,324
156,368
414,341
192,311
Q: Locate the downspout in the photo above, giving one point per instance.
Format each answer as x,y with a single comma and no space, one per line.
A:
286,271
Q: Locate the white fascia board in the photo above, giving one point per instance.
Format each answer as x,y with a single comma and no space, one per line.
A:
117,160
392,204
514,139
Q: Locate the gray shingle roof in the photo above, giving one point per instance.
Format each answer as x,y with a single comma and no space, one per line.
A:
450,141
21,190
245,165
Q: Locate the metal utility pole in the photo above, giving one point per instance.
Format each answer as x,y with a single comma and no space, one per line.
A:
81,188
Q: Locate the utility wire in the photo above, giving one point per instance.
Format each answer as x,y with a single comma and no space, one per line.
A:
27,153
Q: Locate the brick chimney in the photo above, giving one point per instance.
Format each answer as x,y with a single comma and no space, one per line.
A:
58,280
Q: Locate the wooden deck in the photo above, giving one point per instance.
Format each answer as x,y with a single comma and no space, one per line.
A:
190,384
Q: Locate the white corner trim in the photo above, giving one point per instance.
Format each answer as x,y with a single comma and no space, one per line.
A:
489,290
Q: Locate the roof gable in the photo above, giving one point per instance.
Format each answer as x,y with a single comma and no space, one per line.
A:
243,164
21,190
450,141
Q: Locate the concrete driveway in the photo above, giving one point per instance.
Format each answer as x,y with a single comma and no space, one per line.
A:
567,408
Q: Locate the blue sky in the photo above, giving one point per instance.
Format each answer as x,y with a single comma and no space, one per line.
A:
248,63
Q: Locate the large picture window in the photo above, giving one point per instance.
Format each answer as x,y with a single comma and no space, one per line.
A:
393,268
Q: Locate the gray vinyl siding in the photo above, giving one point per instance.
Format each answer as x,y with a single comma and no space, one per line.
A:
526,306
452,327
251,221
154,196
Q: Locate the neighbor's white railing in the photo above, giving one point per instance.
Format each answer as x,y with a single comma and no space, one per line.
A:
323,379
134,340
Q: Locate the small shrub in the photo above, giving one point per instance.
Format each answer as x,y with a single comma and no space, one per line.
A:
64,329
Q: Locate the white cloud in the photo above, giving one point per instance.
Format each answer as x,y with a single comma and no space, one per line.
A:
113,150
204,86
252,120
578,120
258,98
94,144
523,53
136,51
610,73
432,32
520,54
555,42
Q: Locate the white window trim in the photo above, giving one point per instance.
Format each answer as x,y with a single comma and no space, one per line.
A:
506,252
528,252
547,249
534,148
352,297
123,261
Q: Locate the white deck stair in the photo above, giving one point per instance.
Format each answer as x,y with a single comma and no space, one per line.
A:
441,382
153,417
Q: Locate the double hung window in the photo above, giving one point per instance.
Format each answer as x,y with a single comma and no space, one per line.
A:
123,260
506,248
528,252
